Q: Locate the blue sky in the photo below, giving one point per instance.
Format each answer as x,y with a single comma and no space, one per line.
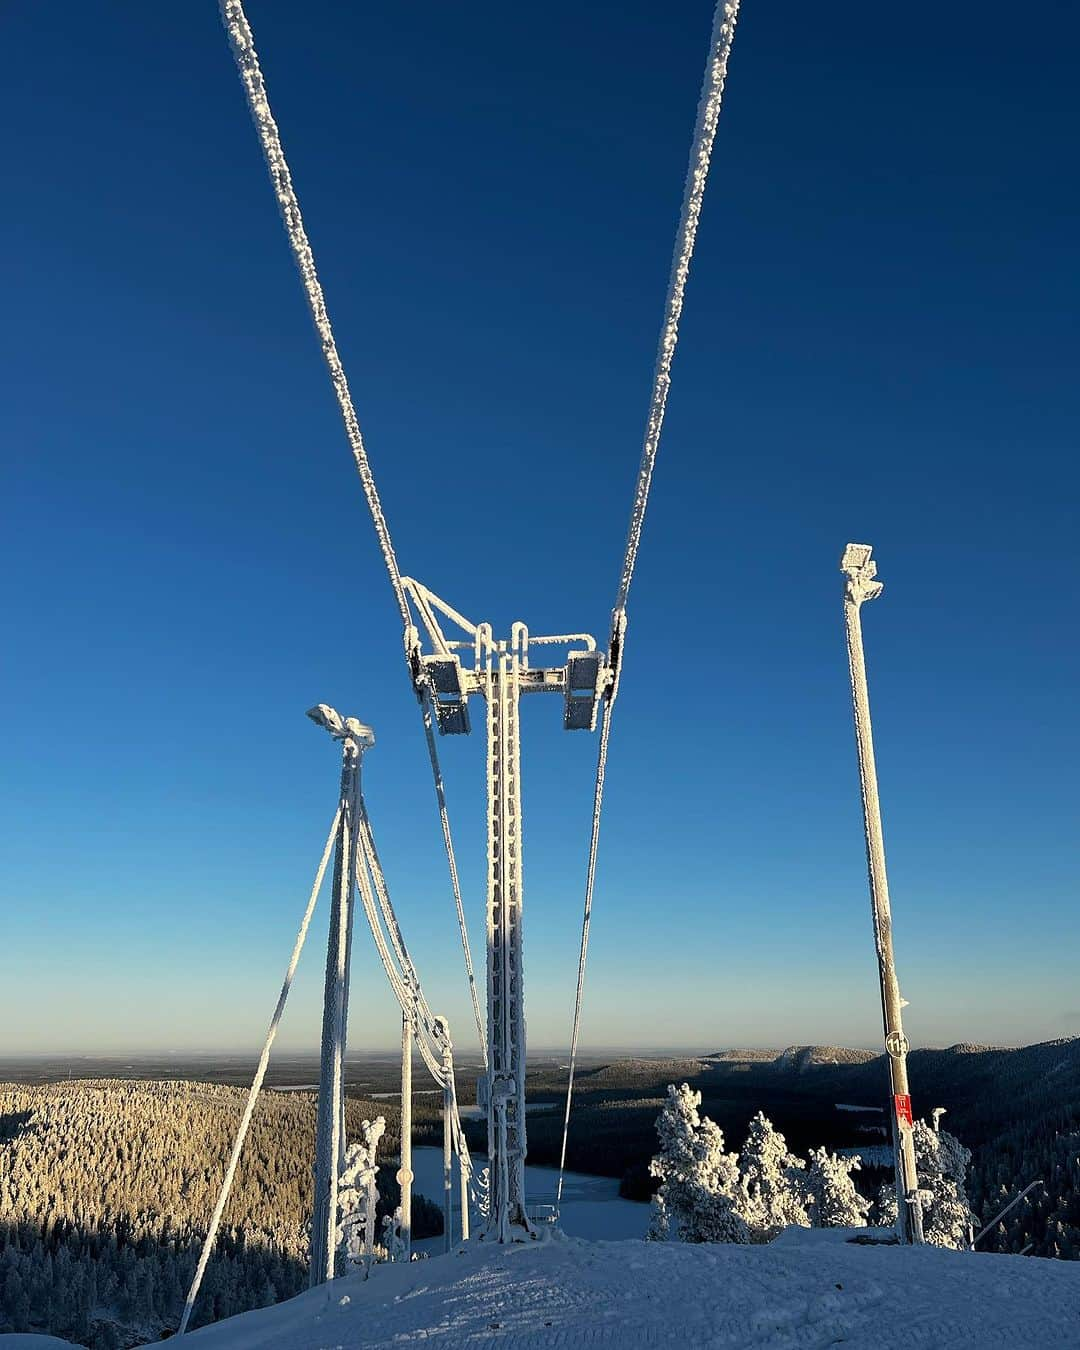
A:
879,344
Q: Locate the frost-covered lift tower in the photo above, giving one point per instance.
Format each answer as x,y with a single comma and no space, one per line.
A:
500,672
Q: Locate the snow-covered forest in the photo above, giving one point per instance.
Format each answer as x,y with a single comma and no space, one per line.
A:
707,1193
106,1188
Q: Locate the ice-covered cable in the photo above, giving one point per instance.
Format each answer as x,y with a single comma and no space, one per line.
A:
440,795
590,878
257,1081
399,982
247,61
708,113
712,90
400,970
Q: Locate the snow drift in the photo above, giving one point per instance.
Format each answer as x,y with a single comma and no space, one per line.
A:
809,1289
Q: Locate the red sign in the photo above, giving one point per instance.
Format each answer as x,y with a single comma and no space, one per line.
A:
903,1110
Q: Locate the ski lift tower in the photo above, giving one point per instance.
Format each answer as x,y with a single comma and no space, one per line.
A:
445,677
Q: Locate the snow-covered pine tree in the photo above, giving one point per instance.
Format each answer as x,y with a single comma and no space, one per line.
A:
698,1191
884,1214
357,1196
942,1163
829,1192
392,1241
769,1182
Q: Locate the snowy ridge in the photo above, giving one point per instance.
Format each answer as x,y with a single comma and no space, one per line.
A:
809,1289
803,1057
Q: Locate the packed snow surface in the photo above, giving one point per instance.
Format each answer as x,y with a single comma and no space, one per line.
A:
810,1288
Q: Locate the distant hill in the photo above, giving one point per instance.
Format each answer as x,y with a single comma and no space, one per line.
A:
644,1071
797,1056
803,1057
743,1056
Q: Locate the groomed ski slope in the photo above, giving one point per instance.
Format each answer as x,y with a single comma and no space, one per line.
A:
808,1289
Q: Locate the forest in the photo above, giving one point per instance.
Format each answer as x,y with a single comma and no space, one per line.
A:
106,1188
106,1185
1017,1110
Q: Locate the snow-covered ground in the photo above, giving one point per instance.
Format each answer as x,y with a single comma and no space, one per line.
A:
808,1290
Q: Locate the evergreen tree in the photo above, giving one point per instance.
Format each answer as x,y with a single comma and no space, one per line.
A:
884,1211
358,1195
942,1162
830,1196
698,1191
769,1182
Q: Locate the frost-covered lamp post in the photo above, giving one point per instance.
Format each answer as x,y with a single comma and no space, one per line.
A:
330,1122
860,571
448,1182
405,1172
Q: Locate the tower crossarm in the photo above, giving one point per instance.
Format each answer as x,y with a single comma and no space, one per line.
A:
445,677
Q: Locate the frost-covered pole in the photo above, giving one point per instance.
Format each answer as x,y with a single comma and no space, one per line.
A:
448,1181
860,571
330,1121
405,1172
463,1182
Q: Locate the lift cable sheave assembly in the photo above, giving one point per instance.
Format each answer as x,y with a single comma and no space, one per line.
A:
501,668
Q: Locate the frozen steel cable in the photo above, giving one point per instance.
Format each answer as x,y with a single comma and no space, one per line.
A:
440,794
403,977
394,955
590,878
712,91
242,43
247,61
708,113
256,1082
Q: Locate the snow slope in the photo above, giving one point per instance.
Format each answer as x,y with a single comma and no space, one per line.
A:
809,1289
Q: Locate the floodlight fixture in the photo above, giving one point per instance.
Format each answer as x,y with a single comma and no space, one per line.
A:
856,556
342,728
860,570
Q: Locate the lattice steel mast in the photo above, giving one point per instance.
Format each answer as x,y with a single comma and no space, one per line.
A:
500,671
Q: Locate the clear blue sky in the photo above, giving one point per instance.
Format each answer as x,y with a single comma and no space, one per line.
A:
879,344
